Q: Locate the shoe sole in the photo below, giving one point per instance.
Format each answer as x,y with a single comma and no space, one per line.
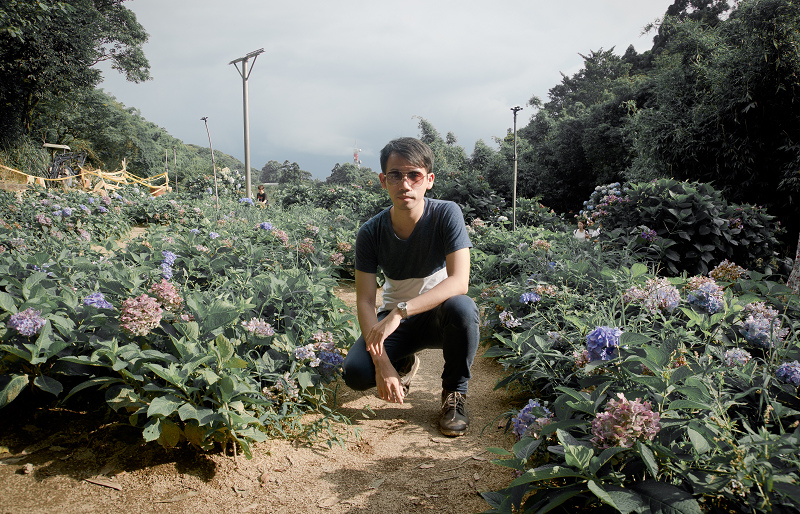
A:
452,433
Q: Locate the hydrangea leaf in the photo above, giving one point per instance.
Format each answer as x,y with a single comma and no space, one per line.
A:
663,498
10,387
7,302
48,384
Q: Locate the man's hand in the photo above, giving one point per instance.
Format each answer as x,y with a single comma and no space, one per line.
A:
380,331
388,381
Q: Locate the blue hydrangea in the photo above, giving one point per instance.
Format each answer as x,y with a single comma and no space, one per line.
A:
330,361
195,231
305,352
531,419
213,235
102,209
83,208
66,211
97,300
706,297
602,343
28,322
209,191
169,257
166,271
789,372
248,201
266,225
529,298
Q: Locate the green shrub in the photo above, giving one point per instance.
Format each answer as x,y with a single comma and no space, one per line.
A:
689,223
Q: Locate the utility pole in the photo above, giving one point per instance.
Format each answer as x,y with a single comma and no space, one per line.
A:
213,162
175,164
244,72
514,199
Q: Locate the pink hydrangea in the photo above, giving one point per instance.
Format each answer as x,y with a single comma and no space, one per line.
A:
139,316
258,327
166,293
624,422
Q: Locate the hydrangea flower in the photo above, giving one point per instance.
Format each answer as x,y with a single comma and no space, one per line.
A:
727,271
43,220
649,235
258,327
624,422
306,352
140,315
508,320
169,257
97,300
330,361
602,343
762,325
213,235
248,201
705,294
281,235
306,246
28,322
531,419
312,229
344,246
540,244
736,357
529,298
658,294
789,372
336,259
66,212
195,231
166,293
266,225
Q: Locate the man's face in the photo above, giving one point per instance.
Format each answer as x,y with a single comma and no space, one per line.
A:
405,182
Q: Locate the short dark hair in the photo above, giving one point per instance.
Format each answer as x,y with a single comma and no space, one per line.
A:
411,149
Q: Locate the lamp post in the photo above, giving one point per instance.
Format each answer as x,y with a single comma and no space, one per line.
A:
213,162
244,71
514,195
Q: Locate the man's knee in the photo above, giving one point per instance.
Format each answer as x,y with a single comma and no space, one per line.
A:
356,377
462,308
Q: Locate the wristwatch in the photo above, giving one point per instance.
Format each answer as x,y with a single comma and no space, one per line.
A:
403,308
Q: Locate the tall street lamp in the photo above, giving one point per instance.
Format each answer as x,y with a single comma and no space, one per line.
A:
244,71
514,195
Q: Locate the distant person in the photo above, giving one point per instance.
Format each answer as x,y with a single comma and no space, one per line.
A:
596,230
261,197
581,233
422,247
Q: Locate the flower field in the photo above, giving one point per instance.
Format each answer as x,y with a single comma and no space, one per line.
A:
218,327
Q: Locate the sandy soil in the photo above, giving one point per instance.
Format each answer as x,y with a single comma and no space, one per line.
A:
70,461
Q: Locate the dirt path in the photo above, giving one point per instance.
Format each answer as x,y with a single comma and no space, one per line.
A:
400,462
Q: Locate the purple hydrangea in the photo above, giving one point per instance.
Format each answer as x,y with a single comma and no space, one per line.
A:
66,212
28,322
529,298
762,325
258,327
736,357
305,353
789,372
624,422
602,343
248,201
658,294
195,231
166,271
330,361
102,209
531,419
508,320
648,235
213,235
265,225
97,300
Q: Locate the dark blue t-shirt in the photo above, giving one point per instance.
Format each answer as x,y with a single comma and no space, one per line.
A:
414,265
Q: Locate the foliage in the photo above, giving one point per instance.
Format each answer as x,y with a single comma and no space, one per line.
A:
680,409
687,226
193,331
49,48
348,173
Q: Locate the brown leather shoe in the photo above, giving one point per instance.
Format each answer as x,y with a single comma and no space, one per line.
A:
454,420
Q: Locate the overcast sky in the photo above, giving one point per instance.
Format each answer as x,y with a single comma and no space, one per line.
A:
334,72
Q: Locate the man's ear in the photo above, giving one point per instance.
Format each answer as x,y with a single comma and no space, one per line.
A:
429,180
382,178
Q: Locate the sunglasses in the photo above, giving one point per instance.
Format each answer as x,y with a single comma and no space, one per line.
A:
396,177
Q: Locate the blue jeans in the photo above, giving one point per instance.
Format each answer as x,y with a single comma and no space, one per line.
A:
451,327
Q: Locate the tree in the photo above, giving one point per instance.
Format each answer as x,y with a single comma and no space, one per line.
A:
271,172
48,49
349,173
